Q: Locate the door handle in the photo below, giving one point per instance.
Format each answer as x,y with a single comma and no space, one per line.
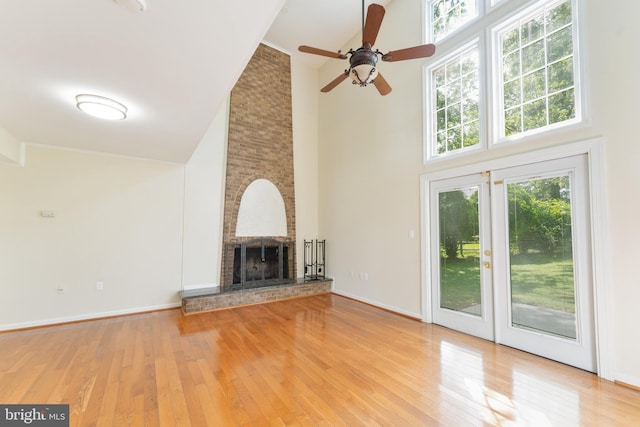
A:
487,265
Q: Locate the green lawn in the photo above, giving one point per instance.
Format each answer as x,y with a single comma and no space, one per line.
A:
537,279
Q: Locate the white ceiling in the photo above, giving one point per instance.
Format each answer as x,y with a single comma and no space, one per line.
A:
173,65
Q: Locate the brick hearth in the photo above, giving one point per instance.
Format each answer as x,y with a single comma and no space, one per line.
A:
208,300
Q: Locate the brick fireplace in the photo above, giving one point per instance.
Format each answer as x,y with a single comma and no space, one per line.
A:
259,205
260,148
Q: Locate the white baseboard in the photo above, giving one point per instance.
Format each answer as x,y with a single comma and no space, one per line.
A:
628,379
67,319
416,316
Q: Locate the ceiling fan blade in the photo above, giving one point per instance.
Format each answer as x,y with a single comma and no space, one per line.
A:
375,13
422,51
335,82
322,52
381,84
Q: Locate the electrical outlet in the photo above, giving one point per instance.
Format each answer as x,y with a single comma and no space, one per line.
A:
60,291
99,286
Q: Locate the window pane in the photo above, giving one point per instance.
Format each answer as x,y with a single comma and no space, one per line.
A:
442,119
539,90
471,134
541,256
512,94
449,15
533,85
511,66
460,287
535,114
457,99
442,142
438,77
454,139
533,56
559,16
469,111
469,63
440,99
532,30
453,69
453,115
562,107
560,44
560,75
513,121
511,41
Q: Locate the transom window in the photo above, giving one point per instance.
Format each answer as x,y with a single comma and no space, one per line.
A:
523,82
448,15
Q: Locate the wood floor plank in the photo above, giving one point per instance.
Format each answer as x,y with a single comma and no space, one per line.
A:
317,361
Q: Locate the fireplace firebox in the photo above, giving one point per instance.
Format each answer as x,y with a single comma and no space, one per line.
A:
259,263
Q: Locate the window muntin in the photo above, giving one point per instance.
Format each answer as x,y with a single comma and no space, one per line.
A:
455,122
537,70
448,15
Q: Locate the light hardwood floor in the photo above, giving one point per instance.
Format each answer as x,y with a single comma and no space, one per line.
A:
321,360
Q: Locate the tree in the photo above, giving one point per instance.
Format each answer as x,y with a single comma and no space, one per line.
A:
458,219
540,215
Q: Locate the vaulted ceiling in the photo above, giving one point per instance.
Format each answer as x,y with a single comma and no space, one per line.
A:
172,65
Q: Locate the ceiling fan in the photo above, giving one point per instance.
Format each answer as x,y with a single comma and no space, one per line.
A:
362,61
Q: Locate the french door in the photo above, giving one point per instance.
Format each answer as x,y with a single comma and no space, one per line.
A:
510,258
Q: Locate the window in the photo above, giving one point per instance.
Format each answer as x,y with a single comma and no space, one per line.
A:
449,15
521,84
537,77
454,85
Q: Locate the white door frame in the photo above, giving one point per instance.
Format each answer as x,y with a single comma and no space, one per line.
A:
593,148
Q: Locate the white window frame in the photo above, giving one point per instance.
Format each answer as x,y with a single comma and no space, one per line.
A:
493,15
496,126
430,101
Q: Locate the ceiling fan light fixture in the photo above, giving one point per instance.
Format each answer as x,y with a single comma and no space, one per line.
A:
363,67
101,107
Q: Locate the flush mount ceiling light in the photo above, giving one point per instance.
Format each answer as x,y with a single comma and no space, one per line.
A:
101,107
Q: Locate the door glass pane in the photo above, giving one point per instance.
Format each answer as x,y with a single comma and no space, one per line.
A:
460,286
541,256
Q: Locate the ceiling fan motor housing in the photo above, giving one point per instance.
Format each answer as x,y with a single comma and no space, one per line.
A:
363,66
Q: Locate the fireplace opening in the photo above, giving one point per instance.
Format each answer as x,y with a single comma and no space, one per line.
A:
260,262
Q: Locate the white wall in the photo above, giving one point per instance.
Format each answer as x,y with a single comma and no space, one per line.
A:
204,206
370,151
146,229
117,220
370,160
11,150
304,96
613,33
